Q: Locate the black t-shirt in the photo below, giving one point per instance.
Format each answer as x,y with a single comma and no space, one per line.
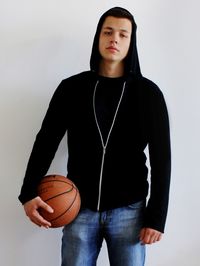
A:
107,96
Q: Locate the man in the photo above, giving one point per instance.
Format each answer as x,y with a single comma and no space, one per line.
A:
111,113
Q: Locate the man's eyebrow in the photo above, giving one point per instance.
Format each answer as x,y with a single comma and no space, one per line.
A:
111,28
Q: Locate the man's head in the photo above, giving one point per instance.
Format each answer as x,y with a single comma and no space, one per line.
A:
116,21
114,39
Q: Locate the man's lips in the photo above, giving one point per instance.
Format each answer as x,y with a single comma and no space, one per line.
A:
112,48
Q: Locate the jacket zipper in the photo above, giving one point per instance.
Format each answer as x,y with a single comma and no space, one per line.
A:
100,180
104,145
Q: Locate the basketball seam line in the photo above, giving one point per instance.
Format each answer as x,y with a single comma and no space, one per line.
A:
49,181
66,209
57,195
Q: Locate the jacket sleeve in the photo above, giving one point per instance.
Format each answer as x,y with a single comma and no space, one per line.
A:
160,161
46,143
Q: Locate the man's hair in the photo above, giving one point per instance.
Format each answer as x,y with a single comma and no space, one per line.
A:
119,12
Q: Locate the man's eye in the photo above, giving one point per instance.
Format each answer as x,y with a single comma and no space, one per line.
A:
123,35
107,32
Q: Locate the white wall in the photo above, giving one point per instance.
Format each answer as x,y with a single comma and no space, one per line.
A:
42,42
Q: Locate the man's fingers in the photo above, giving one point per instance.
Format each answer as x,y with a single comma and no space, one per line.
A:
39,220
45,206
31,208
150,236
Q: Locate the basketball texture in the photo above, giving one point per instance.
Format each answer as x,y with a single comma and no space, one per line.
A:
63,196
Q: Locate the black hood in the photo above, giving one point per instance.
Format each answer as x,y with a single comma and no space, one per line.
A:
132,66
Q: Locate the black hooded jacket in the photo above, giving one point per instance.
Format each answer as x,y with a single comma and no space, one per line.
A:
121,177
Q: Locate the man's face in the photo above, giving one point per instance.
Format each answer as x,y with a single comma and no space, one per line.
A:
114,40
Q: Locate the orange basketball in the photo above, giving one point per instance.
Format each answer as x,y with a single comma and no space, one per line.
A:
63,196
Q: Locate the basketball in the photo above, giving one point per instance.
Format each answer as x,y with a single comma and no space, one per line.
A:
63,196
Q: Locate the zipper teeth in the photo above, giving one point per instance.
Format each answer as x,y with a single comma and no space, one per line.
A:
104,145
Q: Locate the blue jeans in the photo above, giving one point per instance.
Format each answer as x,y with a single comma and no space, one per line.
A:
82,239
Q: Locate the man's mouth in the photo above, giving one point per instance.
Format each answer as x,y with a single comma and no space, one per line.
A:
112,48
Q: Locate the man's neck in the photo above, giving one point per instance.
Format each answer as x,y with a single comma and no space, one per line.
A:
111,70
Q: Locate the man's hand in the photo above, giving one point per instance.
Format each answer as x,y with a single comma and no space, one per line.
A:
149,236
31,209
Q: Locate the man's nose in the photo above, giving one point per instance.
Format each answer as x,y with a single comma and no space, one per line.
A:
114,38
